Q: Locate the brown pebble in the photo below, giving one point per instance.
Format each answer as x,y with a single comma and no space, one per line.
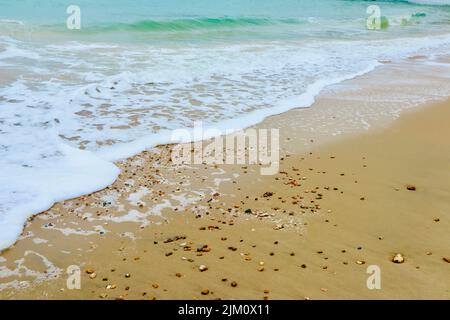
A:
411,187
234,284
205,292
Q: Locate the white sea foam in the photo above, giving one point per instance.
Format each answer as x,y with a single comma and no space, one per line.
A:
115,101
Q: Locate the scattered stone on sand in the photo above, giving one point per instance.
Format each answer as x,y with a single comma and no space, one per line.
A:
268,194
360,262
411,187
234,284
202,268
446,259
93,275
398,258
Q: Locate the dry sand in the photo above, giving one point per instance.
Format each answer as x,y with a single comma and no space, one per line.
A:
309,232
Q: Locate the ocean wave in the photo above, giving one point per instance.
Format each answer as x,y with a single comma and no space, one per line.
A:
195,24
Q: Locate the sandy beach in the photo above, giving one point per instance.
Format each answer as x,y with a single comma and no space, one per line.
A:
339,204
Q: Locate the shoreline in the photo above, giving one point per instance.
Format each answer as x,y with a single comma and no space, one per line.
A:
321,93
118,153
220,199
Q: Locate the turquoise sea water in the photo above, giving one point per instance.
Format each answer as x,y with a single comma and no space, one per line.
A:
178,20
73,101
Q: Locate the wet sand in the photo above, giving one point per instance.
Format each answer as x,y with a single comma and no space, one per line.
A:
309,232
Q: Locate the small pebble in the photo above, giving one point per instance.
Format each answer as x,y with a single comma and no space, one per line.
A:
89,271
205,292
398,258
